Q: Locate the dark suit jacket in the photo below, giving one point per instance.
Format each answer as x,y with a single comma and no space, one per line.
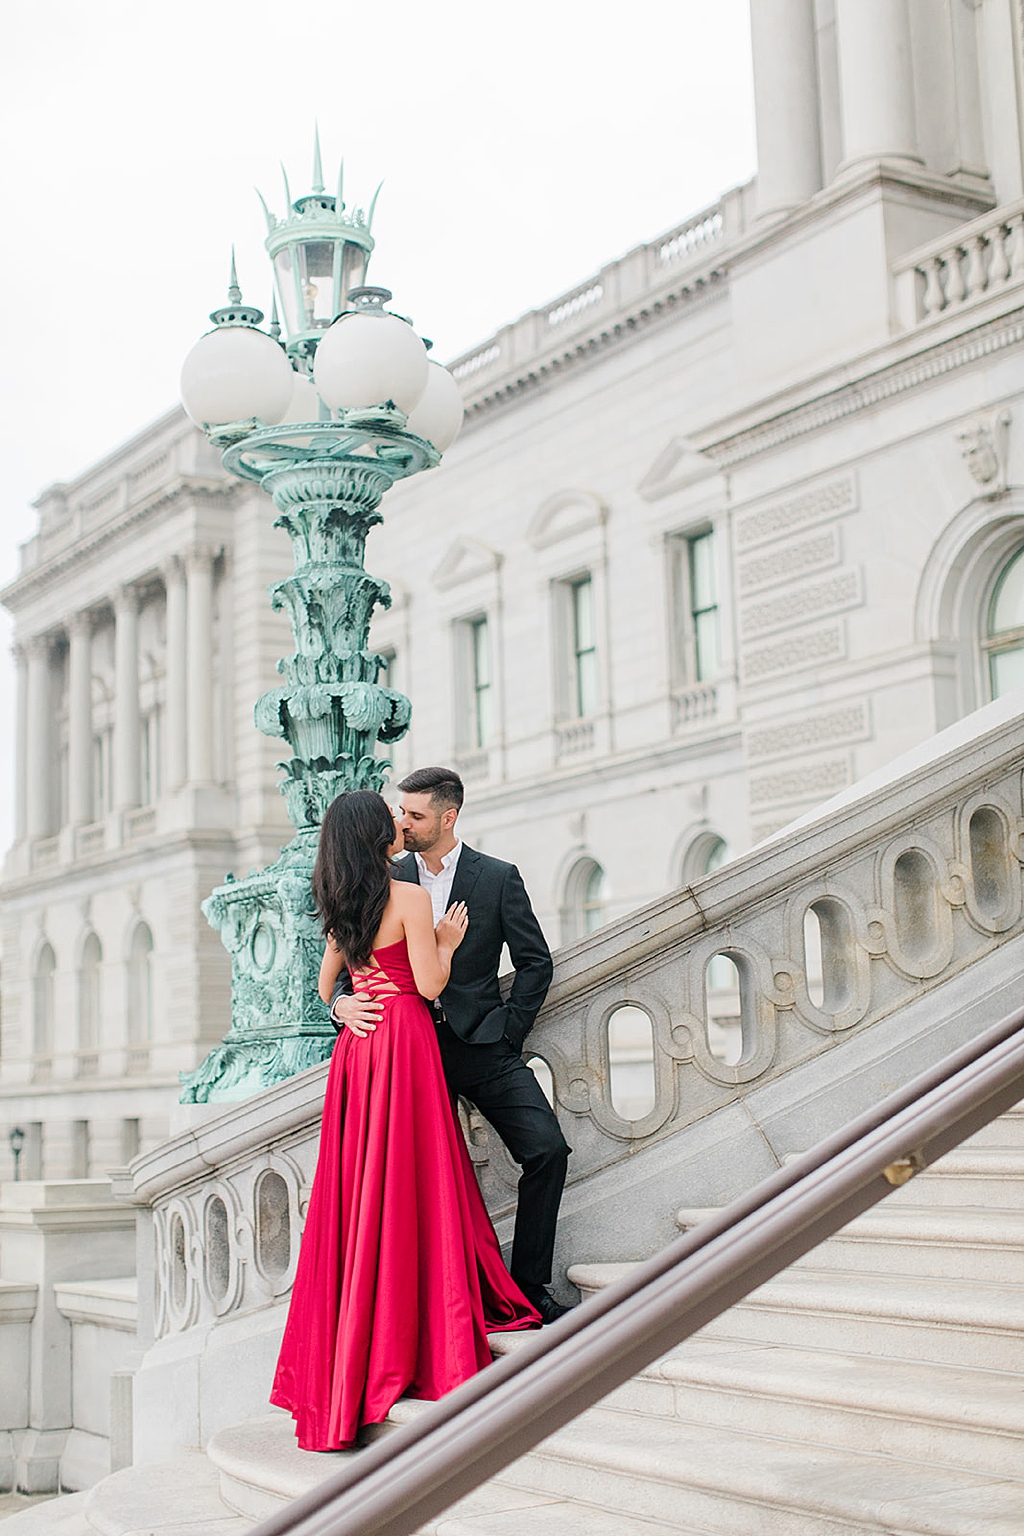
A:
499,913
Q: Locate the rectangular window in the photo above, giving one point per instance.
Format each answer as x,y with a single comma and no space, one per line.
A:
584,695
482,698
703,605
80,1149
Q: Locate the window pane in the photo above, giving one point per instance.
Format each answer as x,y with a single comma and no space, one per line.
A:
1008,605
583,614
481,654
586,683
1007,671
593,900
705,628
702,572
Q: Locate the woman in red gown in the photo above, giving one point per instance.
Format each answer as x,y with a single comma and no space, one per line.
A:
399,1277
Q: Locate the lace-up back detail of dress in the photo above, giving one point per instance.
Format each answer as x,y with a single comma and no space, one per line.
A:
389,974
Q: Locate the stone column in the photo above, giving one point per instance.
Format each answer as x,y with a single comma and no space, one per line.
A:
199,565
176,759
39,740
785,103
126,699
20,742
876,82
80,809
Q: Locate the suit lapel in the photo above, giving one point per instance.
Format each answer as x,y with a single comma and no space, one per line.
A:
407,869
467,872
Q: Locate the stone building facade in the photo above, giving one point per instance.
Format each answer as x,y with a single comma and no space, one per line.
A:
732,523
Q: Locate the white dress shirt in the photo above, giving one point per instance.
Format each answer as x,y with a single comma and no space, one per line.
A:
439,887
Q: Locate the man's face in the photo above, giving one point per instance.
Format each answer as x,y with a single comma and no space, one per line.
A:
421,823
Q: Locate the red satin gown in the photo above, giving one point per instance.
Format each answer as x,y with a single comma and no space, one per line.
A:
400,1277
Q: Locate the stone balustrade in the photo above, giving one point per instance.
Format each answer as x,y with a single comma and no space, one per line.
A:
639,281
975,262
654,1026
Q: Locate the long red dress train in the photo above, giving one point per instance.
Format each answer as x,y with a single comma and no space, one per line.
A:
399,1277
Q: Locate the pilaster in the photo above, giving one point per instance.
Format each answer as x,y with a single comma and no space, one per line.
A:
126,698
199,563
39,769
80,720
176,737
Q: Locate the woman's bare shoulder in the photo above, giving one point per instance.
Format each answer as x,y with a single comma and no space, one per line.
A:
407,895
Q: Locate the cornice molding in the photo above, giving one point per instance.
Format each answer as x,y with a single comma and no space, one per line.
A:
700,285
724,450
51,571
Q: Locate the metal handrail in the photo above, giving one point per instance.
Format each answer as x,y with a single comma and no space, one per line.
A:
410,1475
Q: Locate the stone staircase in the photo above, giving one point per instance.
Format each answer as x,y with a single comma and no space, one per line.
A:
876,1386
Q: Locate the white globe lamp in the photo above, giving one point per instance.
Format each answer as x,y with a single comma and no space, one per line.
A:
305,402
438,417
369,358
233,374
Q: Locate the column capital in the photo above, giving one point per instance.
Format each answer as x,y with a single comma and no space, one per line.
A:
201,557
79,626
37,645
172,569
126,598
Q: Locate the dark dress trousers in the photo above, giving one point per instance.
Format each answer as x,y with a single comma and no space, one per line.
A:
481,1040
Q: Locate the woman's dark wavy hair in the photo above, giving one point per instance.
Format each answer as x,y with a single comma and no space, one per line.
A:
352,874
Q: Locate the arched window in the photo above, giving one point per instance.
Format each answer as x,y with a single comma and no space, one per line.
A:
140,986
1004,638
706,853
42,1002
89,994
586,897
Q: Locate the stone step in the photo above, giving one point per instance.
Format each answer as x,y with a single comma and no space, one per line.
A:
1007,1131
970,1175
939,1242
944,1242
61,1516
946,1322
261,1469
968,1418
177,1497
732,1483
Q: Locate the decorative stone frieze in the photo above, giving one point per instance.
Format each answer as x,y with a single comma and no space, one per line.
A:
829,500
800,603
806,649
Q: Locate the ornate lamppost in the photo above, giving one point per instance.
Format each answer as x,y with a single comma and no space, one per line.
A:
325,421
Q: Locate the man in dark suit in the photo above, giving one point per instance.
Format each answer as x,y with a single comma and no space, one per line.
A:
480,1036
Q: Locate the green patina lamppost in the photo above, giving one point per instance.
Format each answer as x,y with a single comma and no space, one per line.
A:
325,421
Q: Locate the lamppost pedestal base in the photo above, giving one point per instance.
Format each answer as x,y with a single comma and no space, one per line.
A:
279,1025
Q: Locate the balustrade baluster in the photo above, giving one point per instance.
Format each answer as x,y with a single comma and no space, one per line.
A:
1015,227
976,275
955,289
934,298
998,266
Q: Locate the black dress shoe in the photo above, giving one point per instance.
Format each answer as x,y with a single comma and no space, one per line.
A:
550,1310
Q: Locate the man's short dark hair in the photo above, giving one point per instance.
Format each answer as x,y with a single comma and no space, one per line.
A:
443,785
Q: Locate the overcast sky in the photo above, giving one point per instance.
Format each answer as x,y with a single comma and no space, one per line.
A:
520,148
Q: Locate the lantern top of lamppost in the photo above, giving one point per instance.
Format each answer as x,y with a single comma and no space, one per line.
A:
319,251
